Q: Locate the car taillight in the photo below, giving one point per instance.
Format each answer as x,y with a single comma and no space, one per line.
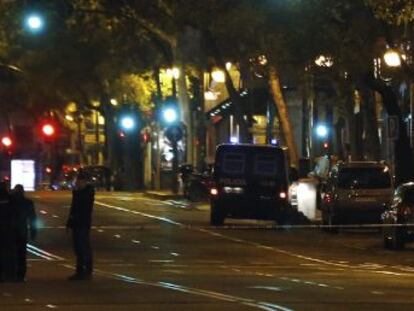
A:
214,191
282,195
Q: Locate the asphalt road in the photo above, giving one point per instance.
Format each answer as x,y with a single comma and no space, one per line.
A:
153,255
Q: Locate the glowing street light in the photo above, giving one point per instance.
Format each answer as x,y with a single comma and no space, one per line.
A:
170,115
324,61
127,123
322,131
34,22
218,76
392,58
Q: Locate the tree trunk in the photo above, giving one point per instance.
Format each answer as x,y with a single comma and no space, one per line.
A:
283,113
237,104
404,167
372,144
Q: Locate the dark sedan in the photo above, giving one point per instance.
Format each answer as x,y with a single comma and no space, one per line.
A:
398,219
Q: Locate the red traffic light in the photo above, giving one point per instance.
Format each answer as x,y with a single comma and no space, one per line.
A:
48,130
6,141
325,145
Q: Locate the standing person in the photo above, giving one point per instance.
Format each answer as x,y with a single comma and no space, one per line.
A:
25,222
7,247
79,220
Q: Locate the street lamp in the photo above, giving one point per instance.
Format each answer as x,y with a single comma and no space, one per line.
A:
34,22
170,115
392,58
218,76
127,123
324,61
322,131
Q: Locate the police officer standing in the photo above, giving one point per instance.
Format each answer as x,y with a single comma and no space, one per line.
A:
7,243
24,223
79,221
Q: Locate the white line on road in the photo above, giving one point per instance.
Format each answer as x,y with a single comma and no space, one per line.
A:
43,253
122,209
191,290
258,245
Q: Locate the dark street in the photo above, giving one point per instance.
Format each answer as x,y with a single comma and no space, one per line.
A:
162,255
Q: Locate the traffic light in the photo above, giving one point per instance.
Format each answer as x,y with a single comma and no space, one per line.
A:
48,130
6,141
325,145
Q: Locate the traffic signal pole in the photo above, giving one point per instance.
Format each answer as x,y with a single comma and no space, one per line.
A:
174,187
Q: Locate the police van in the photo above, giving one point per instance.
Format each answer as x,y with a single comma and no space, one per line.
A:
249,181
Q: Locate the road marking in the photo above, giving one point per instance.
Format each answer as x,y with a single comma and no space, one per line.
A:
271,288
161,260
118,236
155,247
42,253
136,241
122,209
43,212
259,245
191,290
175,254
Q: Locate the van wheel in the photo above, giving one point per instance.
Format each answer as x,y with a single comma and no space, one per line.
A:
216,215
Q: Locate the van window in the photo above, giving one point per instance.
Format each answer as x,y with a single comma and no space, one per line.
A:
364,178
265,165
234,163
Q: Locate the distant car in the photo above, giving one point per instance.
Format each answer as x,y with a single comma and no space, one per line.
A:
356,193
249,181
399,218
98,175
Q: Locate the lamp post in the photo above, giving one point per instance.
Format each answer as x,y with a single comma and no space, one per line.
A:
174,133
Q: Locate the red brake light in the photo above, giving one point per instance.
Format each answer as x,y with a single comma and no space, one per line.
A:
283,195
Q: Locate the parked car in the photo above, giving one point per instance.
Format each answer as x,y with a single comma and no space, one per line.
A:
399,218
356,193
250,181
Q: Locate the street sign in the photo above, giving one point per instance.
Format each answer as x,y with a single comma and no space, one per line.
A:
393,127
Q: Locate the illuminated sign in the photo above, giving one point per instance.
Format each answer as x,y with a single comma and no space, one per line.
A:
23,173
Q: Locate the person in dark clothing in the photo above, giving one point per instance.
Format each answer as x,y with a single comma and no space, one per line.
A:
25,223
7,245
79,221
